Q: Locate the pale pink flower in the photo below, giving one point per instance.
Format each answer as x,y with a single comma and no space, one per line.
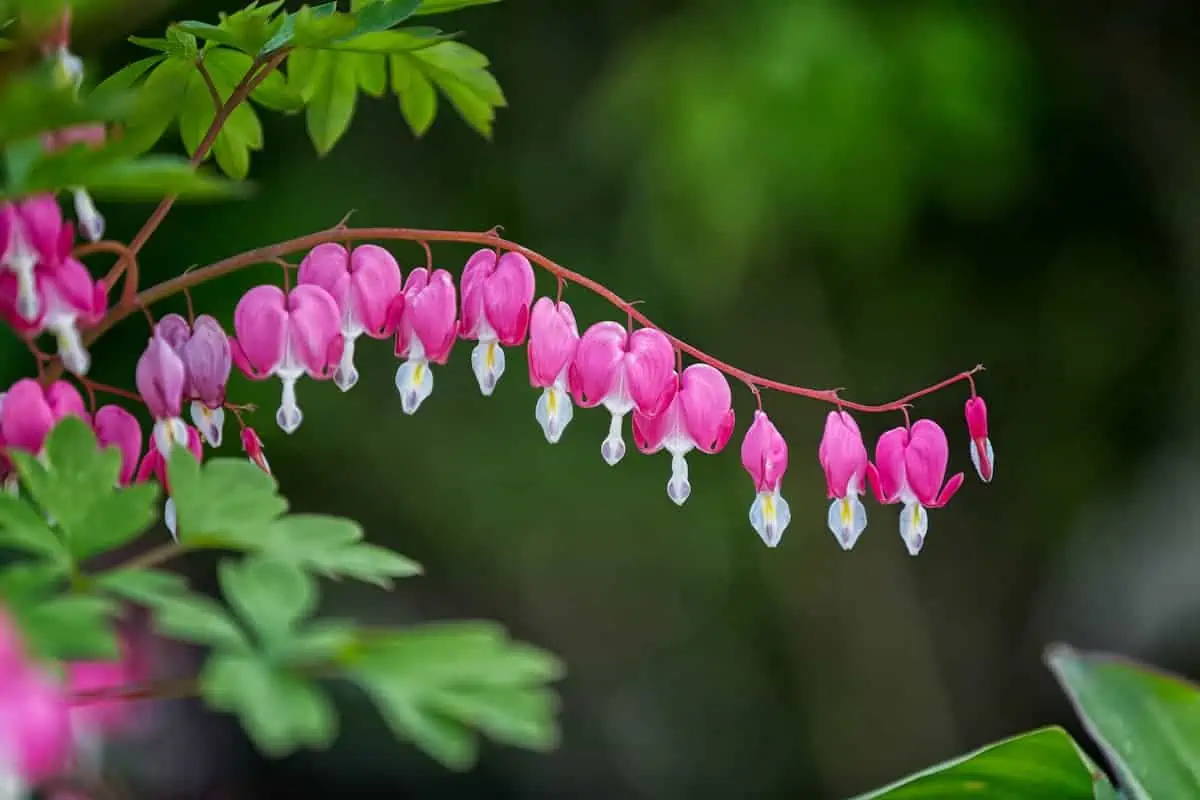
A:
161,379
553,340
287,336
765,457
207,359
910,465
699,416
366,285
497,292
426,333
981,446
626,372
843,457
116,427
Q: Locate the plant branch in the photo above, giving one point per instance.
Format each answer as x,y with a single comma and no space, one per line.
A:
172,689
272,253
212,86
160,554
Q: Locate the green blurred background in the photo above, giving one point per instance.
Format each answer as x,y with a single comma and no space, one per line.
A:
862,194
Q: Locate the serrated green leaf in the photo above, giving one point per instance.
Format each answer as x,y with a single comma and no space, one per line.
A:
271,595
368,563
334,94
418,98
445,6
69,628
159,100
146,587
151,43
332,546
404,40
31,582
280,711
372,73
324,641
302,72
460,73
23,528
226,499
521,717
1146,722
198,619
120,82
229,68
206,30
247,30
1040,764
76,484
242,131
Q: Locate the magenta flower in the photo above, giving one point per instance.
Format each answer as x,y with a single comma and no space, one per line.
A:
207,360
116,427
426,333
28,413
367,287
17,262
497,292
910,465
287,336
626,372
253,447
35,728
154,465
843,457
161,379
699,416
553,340
765,457
981,446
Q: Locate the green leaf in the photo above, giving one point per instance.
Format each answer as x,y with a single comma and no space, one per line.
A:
460,73
247,30
31,582
76,484
1145,721
418,99
404,40
34,102
70,628
312,27
381,15
159,99
146,587
178,43
154,176
242,131
280,711
333,92
445,6
372,73
269,594
331,546
325,641
23,528
1044,763
435,683
198,619
120,82
225,500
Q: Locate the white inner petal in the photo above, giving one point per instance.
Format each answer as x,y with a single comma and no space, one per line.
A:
170,518
618,400
847,520
289,416
612,449
414,382
914,524
346,374
487,362
554,412
91,223
168,433
678,487
209,421
770,516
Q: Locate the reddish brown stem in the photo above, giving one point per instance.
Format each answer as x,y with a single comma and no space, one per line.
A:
488,239
96,386
158,690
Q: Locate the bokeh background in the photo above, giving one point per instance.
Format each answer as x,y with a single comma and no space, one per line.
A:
835,193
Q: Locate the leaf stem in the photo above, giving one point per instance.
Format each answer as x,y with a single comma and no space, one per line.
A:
159,554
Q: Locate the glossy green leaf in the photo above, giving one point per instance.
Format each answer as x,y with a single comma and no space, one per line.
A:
76,484
333,93
404,40
445,6
271,595
226,499
154,176
418,98
199,619
460,73
372,73
1146,722
23,528
159,99
241,133
1044,763
279,710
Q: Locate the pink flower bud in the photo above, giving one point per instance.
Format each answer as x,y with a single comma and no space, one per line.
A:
843,457
425,334
29,413
116,427
366,285
910,465
981,446
626,372
765,457
553,339
161,379
154,465
287,336
253,447
497,292
699,416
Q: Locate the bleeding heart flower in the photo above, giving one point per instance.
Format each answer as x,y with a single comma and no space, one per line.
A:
626,372
253,447
843,457
366,285
35,728
426,333
287,336
910,465
699,416
765,457
981,446
553,340
497,292
116,427
29,413
207,360
161,379
91,136
154,465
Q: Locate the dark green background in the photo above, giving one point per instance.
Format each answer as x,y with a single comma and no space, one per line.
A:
859,194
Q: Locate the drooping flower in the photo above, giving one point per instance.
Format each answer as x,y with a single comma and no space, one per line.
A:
910,465
207,360
981,446
154,465
765,457
497,292
17,262
116,427
426,333
253,447
35,733
843,457
553,340
161,379
366,284
29,413
287,336
91,223
626,372
699,416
